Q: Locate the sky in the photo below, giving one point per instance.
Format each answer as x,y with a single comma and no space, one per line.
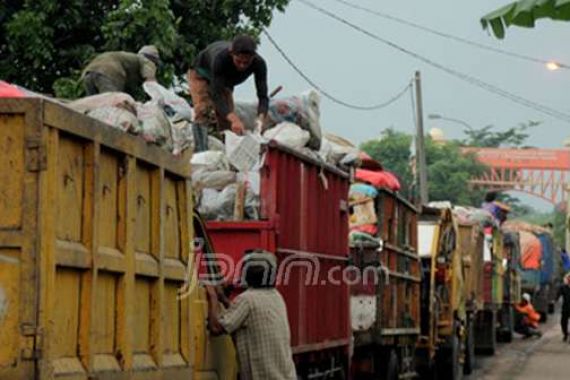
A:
360,70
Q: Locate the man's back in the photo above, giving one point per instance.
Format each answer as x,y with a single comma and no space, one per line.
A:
127,70
258,319
564,292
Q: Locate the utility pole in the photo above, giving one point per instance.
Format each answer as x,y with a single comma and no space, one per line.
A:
421,165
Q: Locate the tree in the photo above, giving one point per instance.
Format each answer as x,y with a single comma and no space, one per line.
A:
449,170
44,44
486,137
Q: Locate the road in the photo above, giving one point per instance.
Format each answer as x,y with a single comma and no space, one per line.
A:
547,358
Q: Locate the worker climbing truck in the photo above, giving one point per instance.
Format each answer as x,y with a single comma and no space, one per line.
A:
95,241
441,347
385,303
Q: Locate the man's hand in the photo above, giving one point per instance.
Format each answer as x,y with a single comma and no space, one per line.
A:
236,124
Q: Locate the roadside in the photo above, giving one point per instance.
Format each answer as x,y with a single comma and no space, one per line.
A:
528,359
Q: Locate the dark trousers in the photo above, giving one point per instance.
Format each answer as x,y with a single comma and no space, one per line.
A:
97,83
564,322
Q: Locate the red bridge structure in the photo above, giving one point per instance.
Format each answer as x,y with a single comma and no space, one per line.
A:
540,172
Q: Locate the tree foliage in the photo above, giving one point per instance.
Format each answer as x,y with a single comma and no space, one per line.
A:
449,170
487,137
44,44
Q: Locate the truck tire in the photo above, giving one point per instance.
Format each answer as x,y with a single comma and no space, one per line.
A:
449,366
391,369
469,363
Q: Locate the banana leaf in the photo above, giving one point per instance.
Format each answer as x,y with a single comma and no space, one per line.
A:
524,13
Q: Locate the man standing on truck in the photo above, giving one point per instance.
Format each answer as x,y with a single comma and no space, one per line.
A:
121,71
257,319
527,318
564,292
217,69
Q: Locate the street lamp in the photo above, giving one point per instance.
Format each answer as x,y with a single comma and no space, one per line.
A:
435,116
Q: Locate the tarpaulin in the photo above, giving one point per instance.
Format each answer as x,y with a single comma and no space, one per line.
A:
378,178
531,253
9,91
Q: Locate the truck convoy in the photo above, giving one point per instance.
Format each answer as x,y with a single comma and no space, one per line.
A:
100,270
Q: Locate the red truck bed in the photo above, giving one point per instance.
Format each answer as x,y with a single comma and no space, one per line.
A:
304,212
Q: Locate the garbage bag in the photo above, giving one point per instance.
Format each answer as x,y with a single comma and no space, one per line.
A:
219,205
117,117
209,160
288,134
182,137
107,99
176,107
218,179
337,148
359,190
303,111
155,125
363,237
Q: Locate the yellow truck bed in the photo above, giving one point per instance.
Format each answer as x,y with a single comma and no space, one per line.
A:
95,239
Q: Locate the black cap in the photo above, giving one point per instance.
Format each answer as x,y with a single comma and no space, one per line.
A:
244,44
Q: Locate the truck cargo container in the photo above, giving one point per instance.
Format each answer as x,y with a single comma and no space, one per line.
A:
511,286
304,220
493,292
471,241
95,232
385,304
441,348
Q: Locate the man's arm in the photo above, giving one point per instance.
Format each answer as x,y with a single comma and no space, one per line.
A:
148,69
261,86
214,312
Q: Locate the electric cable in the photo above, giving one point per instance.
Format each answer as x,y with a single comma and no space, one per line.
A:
464,77
452,37
325,93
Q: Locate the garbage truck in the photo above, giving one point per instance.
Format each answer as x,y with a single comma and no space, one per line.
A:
385,302
96,279
441,347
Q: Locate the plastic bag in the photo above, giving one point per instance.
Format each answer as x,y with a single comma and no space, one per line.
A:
213,180
288,134
209,160
117,117
303,111
107,99
338,148
176,107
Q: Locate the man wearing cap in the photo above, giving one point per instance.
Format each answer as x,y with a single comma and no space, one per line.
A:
564,292
527,318
216,71
121,71
257,319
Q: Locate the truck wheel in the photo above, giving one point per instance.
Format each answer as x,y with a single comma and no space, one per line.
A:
449,366
469,363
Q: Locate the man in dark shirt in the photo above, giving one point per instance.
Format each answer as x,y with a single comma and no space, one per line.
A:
564,292
215,72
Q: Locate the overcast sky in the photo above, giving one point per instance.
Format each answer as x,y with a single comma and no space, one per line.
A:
360,70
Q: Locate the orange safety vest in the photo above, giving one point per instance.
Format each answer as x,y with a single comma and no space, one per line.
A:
531,314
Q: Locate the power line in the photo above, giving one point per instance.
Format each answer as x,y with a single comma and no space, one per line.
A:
452,37
327,94
464,77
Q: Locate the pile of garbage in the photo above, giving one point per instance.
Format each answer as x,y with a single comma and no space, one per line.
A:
226,178
165,120
362,200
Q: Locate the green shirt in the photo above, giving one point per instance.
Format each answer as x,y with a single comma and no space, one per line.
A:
127,70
